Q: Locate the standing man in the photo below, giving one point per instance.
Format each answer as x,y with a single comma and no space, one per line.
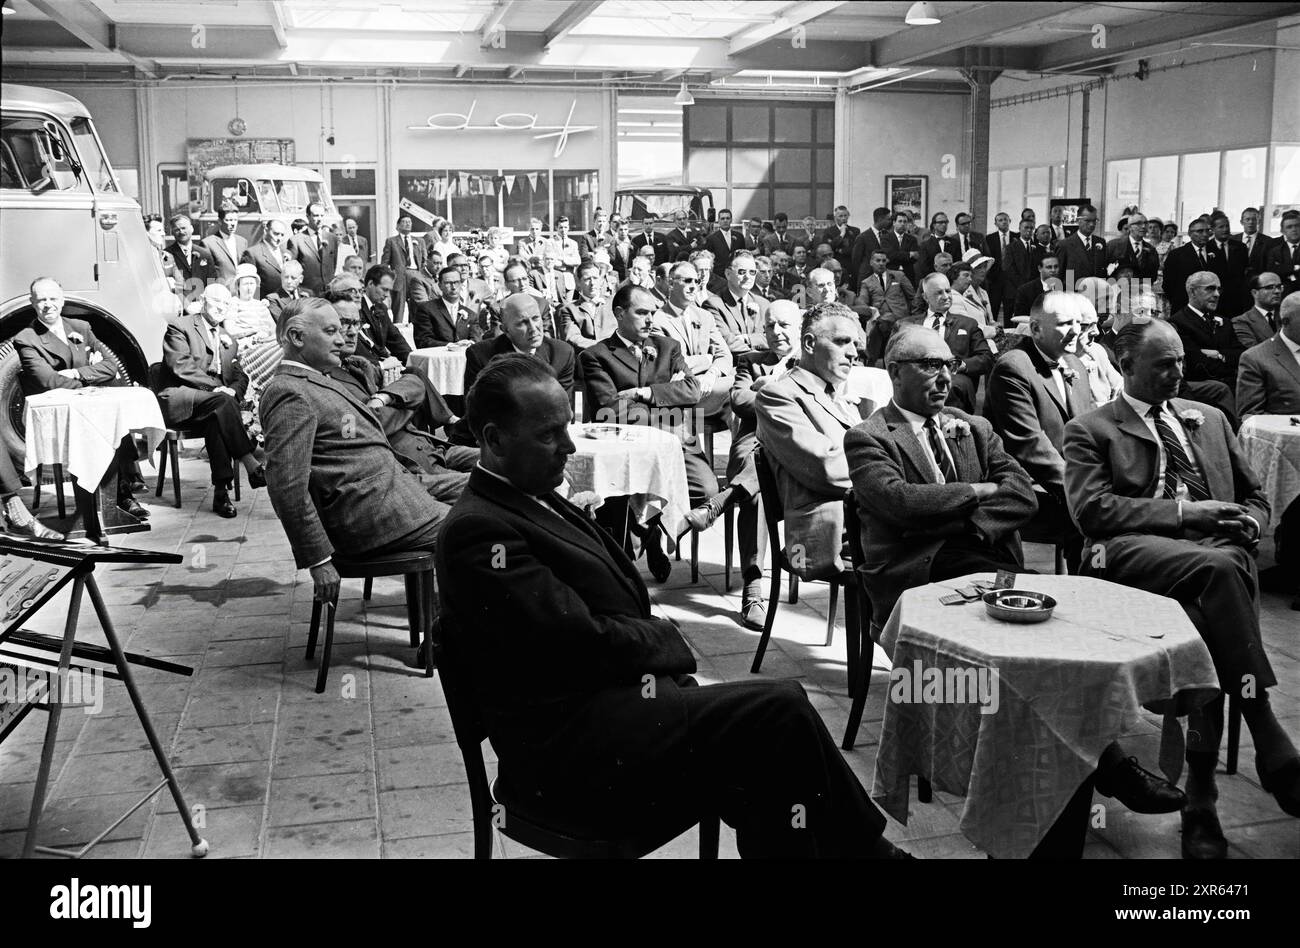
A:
1182,262
352,244
868,242
995,247
935,243
964,240
1232,267
1055,217
1255,241
1083,253
316,249
963,337
678,242
564,249
601,232
724,241
1284,256
531,246
194,267
226,248
269,256
648,238
901,246
737,309
1130,251
404,256
201,385
621,251
842,237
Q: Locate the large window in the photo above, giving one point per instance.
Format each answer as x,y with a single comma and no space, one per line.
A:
1014,189
1159,188
502,197
1286,184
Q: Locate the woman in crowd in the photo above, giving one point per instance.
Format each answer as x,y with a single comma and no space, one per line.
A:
442,239
252,325
1103,378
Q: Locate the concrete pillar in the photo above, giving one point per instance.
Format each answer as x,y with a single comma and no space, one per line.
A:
980,82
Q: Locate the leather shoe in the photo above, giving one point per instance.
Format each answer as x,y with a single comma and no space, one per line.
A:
257,478
221,505
1284,784
1202,835
753,614
707,514
661,567
34,528
1138,789
133,507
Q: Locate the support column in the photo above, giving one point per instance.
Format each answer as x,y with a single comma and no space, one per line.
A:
981,84
842,189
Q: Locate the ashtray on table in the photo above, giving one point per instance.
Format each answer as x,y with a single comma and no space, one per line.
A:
1019,605
603,432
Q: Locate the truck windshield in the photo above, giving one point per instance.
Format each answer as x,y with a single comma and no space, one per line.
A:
97,169
296,195
27,160
662,206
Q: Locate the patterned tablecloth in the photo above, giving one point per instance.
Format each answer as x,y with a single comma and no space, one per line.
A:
1272,446
443,365
1064,690
642,463
81,428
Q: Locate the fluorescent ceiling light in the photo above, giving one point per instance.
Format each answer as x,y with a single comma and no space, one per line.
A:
922,14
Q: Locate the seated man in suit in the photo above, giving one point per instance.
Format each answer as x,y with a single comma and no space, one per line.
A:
291,288
334,479
201,385
447,319
522,330
1161,489
1048,279
636,377
964,337
586,320
422,284
1209,340
703,346
1259,323
802,417
738,309
890,292
754,369
560,648
379,334
1035,388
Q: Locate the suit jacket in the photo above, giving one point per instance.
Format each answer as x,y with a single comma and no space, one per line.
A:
974,241
379,337
585,322
1038,251
907,515
1080,259
1234,297
930,248
198,272
610,367
1257,253
900,252
270,266
223,263
842,246
556,353
1017,267
750,366
1145,264
993,250
1268,380
1181,263
677,245
868,242
184,372
801,429
966,339
43,355
421,288
720,250
703,346
894,300
527,249
435,324
362,248
417,410
276,301
1025,409
656,241
1025,296
1286,265
555,654
332,475
1252,328
1112,462
741,325
620,258
1207,332
318,265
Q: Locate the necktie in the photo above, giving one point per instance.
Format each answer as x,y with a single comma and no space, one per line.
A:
1178,466
1055,368
1201,253
410,253
1004,243
1250,243
940,453
936,321
1271,316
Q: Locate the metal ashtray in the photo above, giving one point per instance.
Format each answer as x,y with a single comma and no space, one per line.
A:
602,432
1019,605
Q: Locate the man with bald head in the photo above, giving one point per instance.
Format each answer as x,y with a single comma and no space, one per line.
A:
963,336
523,329
1209,341
1035,388
1161,490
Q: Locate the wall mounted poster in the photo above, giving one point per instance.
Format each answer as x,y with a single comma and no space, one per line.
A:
908,192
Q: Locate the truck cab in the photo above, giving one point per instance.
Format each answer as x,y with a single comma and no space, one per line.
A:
660,203
262,193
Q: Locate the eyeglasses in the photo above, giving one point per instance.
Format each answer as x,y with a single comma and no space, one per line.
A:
934,366
740,272
686,279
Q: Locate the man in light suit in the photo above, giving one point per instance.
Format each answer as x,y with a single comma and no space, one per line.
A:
1035,388
1162,491
558,666
937,493
360,247
404,255
588,318
1259,323
333,477
737,309
703,346
1083,253
891,293
522,330
724,241
802,417
316,249
269,256
964,337
200,384
225,248
531,246
422,285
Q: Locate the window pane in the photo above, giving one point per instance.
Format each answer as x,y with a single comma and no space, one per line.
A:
1058,180
347,181
1036,181
1160,187
792,164
1200,185
1286,183
750,202
1012,193
707,122
28,158
1243,181
825,165
1122,187
474,200
796,202
527,196
426,188
706,166
750,165
576,194
749,123
93,160
793,125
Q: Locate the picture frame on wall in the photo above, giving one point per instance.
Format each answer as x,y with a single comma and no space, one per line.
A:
908,192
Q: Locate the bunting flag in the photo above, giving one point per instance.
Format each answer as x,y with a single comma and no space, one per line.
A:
439,188
462,183
475,185
532,180
510,183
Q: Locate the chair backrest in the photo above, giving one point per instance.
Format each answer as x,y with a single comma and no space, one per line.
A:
155,376
853,533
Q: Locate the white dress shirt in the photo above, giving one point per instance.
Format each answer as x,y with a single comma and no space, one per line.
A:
1143,411
918,429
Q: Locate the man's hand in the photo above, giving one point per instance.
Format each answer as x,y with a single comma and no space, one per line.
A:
225,390
377,402
1212,354
758,383
70,373
326,580
984,490
1215,518
635,395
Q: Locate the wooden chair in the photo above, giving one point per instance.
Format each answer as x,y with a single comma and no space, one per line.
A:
541,825
421,603
774,514
728,518
170,447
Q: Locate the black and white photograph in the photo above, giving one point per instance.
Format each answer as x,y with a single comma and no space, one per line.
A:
510,430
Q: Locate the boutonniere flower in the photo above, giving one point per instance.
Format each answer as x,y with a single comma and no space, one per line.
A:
1218,320
586,500
76,338
1191,418
651,352
1068,373
955,428
227,341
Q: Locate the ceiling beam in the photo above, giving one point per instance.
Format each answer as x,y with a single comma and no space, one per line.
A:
90,26
791,16
566,21
492,22
1198,22
278,23
970,27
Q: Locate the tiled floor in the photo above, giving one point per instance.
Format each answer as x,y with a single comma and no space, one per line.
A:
370,768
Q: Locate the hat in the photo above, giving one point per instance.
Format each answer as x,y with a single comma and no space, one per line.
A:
245,271
975,258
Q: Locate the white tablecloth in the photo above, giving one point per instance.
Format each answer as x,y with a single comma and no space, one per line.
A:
1066,688
81,428
872,384
443,365
644,464
1272,446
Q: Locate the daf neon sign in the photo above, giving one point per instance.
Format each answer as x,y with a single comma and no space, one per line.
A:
505,122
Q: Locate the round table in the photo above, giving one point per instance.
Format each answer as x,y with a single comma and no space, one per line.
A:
443,366
639,462
81,428
1021,748
1271,444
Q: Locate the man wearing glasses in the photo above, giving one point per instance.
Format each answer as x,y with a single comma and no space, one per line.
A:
1208,339
445,320
1190,258
963,337
1083,253
703,346
738,310
1259,323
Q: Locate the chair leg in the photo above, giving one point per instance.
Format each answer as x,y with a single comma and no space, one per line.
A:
324,671
58,491
794,589
413,599
313,628
237,480
1060,560
729,540
36,487
924,792
430,586
859,692
710,837
695,556
830,613
162,468
1234,736
174,448
773,599
366,589
852,635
